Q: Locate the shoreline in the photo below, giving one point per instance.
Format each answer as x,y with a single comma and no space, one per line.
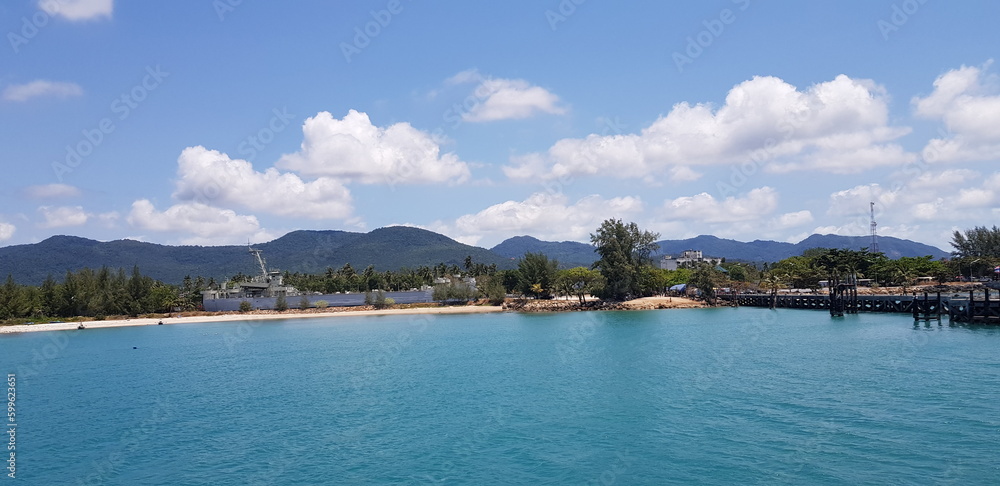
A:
333,312
645,303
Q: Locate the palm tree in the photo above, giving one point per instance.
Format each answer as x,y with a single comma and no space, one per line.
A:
773,281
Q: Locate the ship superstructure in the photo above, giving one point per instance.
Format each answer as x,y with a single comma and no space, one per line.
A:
269,283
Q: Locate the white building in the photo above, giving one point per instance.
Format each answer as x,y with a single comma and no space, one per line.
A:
668,262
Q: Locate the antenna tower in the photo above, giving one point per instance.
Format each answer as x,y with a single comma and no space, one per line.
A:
873,247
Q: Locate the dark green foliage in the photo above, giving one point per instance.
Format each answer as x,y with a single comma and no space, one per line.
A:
281,303
817,264
625,251
491,287
455,291
246,306
706,278
86,293
303,302
579,282
978,242
537,275
380,301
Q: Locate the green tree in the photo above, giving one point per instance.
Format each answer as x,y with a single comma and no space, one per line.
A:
491,287
706,278
772,281
537,275
246,306
978,242
624,250
381,301
281,303
579,281
303,302
799,272
454,291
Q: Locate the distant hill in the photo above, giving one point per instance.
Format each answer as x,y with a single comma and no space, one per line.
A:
389,248
569,253
772,251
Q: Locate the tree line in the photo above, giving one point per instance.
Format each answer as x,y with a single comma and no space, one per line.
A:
624,270
88,293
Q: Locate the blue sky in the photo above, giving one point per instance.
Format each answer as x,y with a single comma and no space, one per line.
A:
218,121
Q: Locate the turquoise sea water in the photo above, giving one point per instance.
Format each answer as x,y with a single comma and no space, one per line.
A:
700,396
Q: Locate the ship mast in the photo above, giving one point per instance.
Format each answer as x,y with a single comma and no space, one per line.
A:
260,260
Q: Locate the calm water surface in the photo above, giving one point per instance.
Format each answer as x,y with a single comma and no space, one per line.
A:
707,396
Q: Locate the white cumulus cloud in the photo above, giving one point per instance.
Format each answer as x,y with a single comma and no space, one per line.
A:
77,10
967,101
706,208
52,191
200,223
7,231
41,88
211,177
506,99
63,216
353,149
542,215
839,126
792,220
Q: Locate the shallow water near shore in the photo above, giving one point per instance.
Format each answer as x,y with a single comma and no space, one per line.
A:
708,396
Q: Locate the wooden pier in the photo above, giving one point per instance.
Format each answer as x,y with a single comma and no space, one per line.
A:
985,310
976,307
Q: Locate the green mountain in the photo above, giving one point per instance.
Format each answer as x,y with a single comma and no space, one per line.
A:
569,254
389,248
772,251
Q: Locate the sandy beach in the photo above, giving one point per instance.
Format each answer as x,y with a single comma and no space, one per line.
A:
334,312
645,303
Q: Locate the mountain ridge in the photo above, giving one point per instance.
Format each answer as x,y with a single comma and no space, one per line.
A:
580,254
388,248
306,251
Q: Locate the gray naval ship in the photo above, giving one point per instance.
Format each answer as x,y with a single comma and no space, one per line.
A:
262,292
